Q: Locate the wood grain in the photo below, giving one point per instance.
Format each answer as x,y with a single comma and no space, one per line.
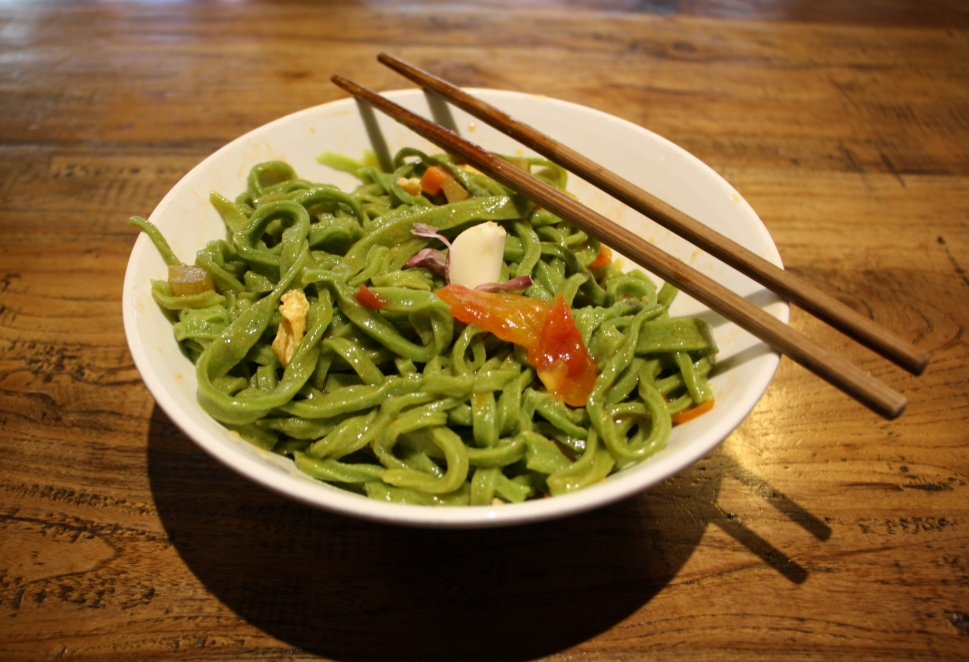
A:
816,531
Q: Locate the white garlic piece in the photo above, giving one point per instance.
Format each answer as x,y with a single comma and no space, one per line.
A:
477,255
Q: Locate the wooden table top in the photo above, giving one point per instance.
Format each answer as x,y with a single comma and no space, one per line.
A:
817,529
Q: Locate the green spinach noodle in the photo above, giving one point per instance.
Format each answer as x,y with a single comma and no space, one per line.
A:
403,402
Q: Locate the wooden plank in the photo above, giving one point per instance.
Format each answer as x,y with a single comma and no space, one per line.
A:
814,532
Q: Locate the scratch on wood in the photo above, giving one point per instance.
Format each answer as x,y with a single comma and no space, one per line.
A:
959,620
904,525
928,487
892,169
854,165
952,260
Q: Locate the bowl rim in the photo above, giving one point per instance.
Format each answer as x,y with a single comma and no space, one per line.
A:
619,485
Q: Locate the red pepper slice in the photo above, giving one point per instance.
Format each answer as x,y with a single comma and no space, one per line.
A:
369,299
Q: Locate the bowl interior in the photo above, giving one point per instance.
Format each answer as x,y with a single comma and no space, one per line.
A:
745,366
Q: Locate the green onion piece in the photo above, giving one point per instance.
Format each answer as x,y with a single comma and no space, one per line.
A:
185,279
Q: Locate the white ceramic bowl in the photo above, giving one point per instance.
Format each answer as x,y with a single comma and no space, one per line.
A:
188,221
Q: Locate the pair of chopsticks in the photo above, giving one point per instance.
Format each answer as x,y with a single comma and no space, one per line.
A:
829,366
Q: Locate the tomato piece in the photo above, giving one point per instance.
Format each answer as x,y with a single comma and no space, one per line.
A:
690,414
433,178
369,299
603,258
512,317
546,329
561,359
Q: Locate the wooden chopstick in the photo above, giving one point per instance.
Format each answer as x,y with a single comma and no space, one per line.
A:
819,360
779,281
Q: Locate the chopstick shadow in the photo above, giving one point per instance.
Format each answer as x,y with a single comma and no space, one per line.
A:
353,590
784,504
377,140
440,111
769,554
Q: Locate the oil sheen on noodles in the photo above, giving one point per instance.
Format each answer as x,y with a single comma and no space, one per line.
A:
387,394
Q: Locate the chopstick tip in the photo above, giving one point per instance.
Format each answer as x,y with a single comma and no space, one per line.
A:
919,367
342,82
